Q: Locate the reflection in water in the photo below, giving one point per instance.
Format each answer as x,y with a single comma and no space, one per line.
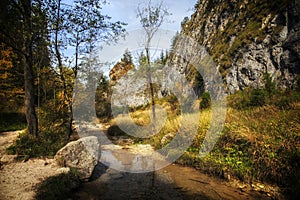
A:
137,159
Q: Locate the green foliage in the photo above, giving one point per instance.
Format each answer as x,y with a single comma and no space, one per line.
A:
184,21
12,121
127,57
102,102
250,98
269,95
205,100
257,97
258,143
47,144
142,62
297,85
58,187
162,60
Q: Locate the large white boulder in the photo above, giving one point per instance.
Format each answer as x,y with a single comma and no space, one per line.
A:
81,155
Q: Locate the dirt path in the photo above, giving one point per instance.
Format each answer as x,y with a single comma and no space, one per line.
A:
7,139
18,179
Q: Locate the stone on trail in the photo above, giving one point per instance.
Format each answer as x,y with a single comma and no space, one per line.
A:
81,155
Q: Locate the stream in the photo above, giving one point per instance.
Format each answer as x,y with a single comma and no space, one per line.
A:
170,182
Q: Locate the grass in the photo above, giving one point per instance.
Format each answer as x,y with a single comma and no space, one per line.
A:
12,121
47,144
258,143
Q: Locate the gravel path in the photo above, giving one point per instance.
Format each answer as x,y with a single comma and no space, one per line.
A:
18,179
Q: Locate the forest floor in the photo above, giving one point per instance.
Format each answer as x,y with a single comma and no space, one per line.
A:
19,180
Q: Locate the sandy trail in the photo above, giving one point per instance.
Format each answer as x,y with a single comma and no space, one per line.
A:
18,179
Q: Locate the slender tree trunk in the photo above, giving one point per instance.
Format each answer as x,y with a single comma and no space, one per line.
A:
149,76
62,77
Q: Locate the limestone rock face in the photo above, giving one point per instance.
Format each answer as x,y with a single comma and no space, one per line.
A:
247,39
81,155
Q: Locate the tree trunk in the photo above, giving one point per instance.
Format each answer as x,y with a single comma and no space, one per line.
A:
151,86
61,72
32,122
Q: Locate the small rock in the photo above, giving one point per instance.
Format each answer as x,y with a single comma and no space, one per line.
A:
63,170
8,158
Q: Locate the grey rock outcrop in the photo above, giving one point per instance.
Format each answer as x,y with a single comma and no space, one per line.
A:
81,155
247,39
132,89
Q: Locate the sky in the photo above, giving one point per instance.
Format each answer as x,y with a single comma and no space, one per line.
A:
125,10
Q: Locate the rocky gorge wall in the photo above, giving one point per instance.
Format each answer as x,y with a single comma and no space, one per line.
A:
248,38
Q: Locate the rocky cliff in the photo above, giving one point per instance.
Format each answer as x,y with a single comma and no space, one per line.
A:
247,38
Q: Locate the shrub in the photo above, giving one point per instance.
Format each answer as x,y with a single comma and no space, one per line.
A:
205,100
297,87
257,97
270,85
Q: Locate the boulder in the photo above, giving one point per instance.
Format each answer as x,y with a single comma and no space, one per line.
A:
81,155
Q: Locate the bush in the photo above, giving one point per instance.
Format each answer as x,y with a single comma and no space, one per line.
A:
205,100
270,85
257,97
297,87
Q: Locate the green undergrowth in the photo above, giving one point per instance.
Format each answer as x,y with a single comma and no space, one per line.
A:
52,134
46,144
258,142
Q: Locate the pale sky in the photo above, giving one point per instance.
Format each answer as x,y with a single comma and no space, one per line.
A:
125,11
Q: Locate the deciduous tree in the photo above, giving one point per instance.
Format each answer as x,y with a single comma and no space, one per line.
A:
151,17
